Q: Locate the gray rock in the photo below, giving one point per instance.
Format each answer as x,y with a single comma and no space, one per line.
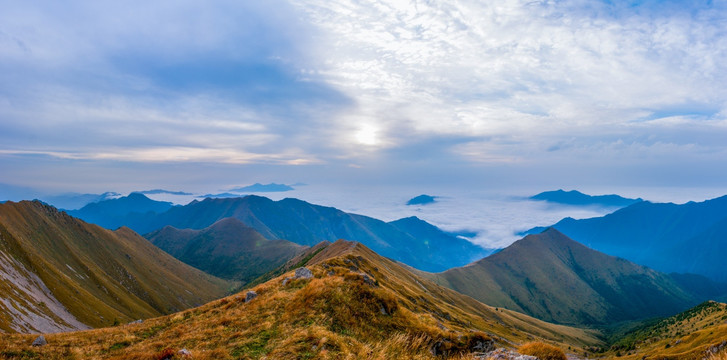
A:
286,280
139,321
184,353
382,310
368,279
303,273
250,295
39,341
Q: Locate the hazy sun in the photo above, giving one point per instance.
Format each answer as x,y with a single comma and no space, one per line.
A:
367,135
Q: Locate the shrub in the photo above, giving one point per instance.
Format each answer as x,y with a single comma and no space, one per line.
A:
542,351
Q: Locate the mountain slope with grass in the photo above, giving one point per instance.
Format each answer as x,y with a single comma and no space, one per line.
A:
686,238
554,278
227,249
697,333
355,305
58,273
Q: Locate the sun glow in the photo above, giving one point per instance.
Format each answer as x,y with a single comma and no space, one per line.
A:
366,135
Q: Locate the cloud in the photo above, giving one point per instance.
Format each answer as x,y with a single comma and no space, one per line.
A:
402,86
129,82
528,72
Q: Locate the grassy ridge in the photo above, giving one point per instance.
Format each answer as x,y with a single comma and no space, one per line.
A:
552,277
687,335
339,314
227,249
100,276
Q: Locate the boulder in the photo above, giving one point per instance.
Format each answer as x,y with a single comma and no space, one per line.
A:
368,280
303,273
39,341
250,295
184,353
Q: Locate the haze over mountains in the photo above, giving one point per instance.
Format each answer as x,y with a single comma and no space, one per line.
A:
686,238
297,221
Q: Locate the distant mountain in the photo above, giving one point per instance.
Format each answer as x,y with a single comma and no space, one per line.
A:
307,224
574,197
220,195
227,249
554,278
687,238
422,200
257,187
113,213
161,191
348,303
72,201
58,273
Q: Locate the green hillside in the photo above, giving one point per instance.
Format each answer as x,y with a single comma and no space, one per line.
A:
227,249
58,273
554,278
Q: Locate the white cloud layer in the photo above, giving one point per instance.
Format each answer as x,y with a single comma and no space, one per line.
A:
583,88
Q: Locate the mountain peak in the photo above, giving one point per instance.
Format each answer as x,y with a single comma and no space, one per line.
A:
575,197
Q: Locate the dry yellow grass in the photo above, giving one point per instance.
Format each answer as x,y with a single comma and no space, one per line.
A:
686,336
542,351
339,314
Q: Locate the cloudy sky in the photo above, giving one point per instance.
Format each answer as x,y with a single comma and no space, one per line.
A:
102,95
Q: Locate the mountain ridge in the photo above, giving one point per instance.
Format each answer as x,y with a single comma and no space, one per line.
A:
352,303
95,275
228,249
555,278
308,224
659,235
575,197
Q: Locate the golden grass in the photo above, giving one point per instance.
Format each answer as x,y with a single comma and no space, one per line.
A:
686,336
542,351
338,314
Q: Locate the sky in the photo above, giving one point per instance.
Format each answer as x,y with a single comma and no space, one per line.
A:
202,96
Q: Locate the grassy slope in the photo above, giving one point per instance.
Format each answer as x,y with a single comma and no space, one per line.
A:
556,279
686,336
100,276
227,249
335,315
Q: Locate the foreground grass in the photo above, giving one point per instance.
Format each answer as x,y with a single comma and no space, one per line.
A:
328,317
358,305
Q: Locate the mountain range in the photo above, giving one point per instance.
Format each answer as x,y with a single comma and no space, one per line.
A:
64,274
227,249
122,211
58,273
578,198
410,240
686,238
554,278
